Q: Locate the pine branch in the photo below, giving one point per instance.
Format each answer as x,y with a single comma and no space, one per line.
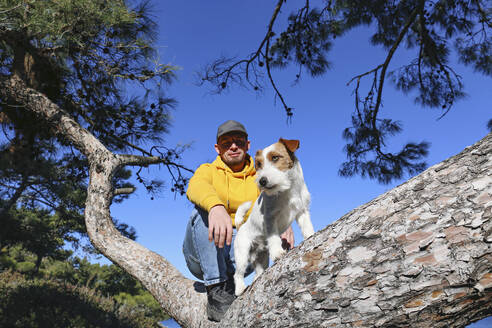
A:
403,32
222,71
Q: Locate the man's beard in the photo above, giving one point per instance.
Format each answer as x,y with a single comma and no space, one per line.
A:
234,160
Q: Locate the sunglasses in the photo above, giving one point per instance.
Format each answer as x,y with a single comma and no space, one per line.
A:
228,143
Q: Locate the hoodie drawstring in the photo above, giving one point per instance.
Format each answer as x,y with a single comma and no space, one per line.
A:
244,185
227,183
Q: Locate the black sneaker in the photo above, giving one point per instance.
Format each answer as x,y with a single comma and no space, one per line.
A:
219,299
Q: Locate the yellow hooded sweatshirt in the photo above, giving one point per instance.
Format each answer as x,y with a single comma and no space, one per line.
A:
216,184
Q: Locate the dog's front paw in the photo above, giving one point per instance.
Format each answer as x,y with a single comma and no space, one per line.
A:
277,253
240,287
239,283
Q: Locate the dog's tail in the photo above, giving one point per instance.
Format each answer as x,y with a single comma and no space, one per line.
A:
240,213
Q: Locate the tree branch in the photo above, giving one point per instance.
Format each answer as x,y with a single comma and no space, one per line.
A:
221,76
384,66
175,293
288,110
17,194
124,191
483,14
403,32
405,259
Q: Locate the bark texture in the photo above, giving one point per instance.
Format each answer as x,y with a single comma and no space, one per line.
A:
419,255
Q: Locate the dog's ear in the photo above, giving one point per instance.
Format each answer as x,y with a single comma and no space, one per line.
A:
291,145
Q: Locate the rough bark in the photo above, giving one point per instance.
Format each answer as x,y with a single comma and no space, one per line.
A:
419,255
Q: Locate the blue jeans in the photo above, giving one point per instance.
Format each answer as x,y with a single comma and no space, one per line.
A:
206,261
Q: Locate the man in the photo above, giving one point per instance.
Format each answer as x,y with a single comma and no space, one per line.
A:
217,189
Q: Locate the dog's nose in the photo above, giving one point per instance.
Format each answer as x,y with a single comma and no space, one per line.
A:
263,181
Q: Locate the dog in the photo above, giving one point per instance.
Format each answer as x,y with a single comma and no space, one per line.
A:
283,198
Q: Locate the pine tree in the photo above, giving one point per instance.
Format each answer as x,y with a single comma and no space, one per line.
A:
96,60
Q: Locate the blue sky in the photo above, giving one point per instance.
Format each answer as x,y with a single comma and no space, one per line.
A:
192,33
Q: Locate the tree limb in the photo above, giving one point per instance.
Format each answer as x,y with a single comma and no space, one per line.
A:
17,194
124,191
175,293
225,74
391,52
483,14
417,256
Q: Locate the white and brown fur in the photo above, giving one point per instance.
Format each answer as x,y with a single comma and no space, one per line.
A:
284,197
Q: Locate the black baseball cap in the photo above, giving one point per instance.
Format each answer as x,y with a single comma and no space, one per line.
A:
230,126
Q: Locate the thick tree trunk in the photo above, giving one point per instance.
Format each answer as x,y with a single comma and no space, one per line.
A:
419,255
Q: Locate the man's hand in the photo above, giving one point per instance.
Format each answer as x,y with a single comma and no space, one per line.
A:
219,226
287,239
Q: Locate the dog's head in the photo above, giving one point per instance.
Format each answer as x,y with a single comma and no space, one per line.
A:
273,165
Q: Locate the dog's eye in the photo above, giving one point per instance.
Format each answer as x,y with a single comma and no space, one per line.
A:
275,158
258,164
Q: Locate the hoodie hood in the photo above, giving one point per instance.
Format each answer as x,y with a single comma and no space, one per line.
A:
248,170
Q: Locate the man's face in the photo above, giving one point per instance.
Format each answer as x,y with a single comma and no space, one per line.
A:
232,148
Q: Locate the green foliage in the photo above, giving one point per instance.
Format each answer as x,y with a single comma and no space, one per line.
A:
103,280
40,232
384,167
46,303
94,59
305,42
25,267
6,261
144,302
92,48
